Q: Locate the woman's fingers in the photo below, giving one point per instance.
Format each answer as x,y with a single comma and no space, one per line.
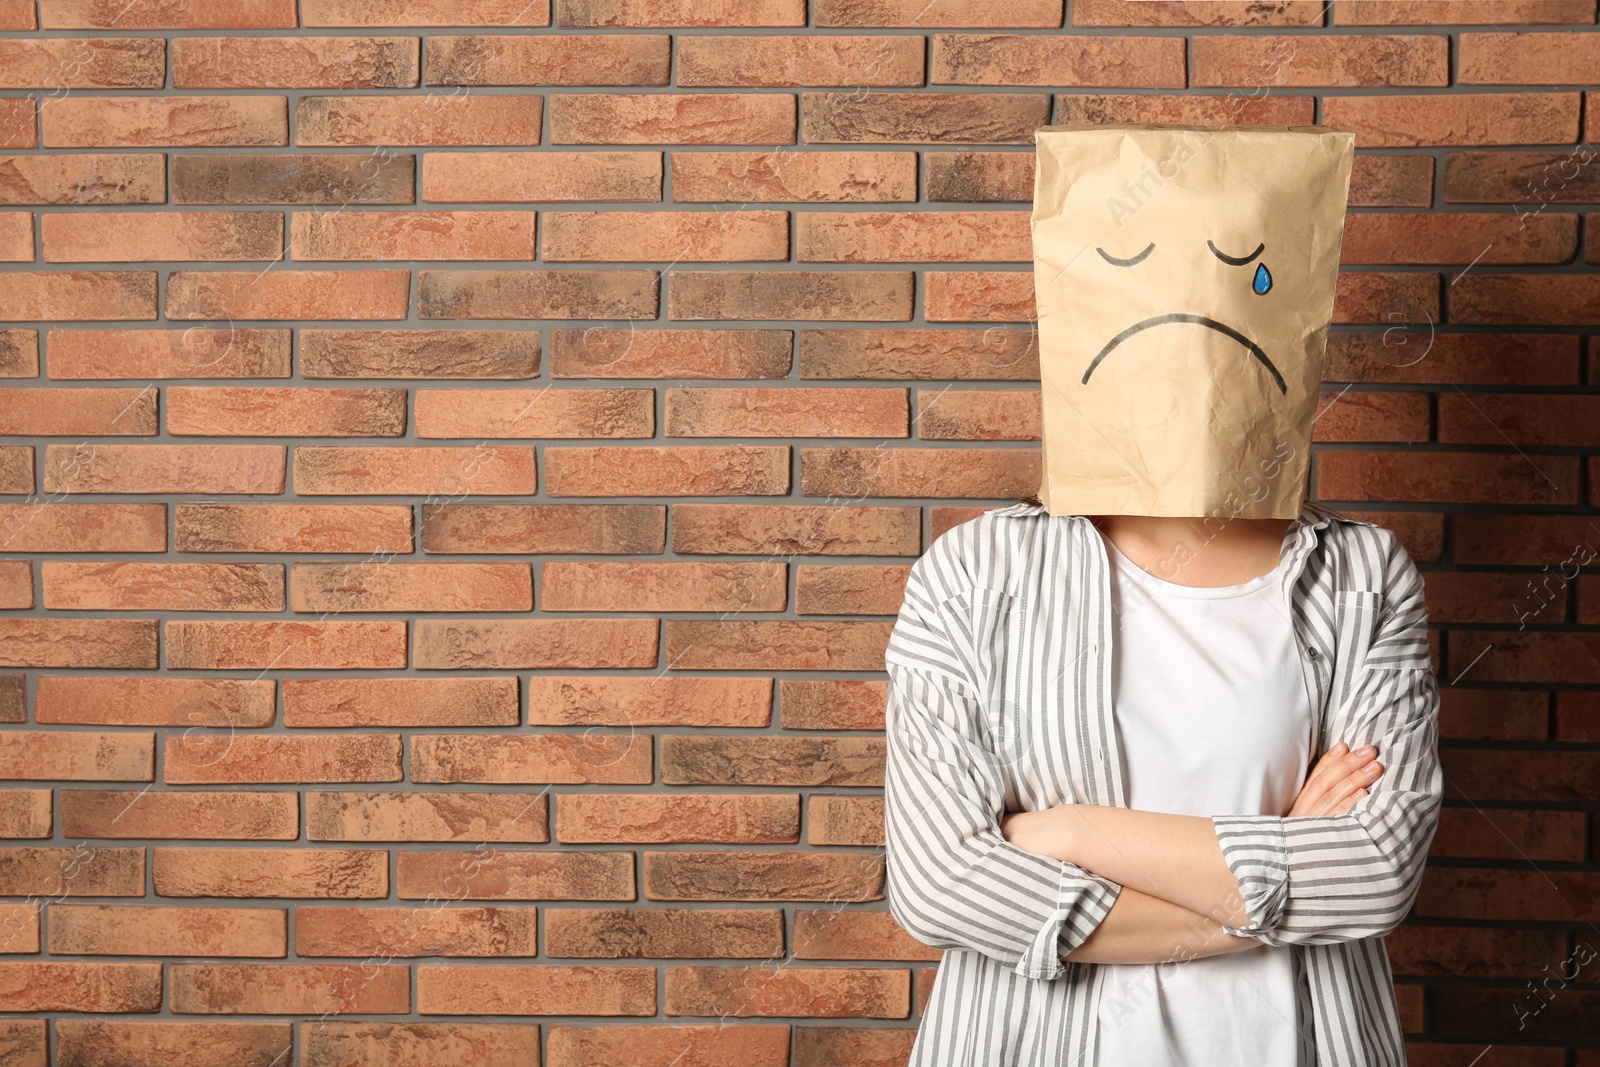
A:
1337,781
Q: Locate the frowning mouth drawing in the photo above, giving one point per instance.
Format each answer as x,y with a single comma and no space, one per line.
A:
1199,320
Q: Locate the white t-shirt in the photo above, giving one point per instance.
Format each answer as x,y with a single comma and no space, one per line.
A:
1213,718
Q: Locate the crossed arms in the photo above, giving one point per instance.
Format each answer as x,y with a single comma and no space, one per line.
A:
1094,884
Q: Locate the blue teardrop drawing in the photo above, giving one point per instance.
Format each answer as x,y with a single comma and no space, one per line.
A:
1263,279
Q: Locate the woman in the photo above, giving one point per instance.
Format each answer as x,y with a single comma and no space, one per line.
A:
1159,786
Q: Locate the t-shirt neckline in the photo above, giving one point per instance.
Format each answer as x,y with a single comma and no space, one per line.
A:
1163,587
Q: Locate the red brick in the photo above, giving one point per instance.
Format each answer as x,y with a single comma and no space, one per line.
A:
603,352
1527,181
787,294
136,121
1391,181
1462,12
1372,416
851,821
60,63
16,236
524,177
1525,299
921,14
634,818
654,933
799,529
921,236
157,700
678,236
524,759
547,412
145,1044
538,294
1530,540
793,175
1458,237
288,294
51,985
1455,118
980,176
832,703
78,755
97,643
833,934
1209,13
425,353
19,128
270,872
294,758
1566,58
121,586
57,526
1423,355
77,411
166,930
285,412
303,61
676,118
19,353
16,584
482,470
79,178
773,760
978,415
282,178
1333,59
22,936
535,644
788,411
789,991
195,352
458,930
600,700
290,988
168,15
816,60
675,470
1207,110
1055,59
775,644
259,645
100,871
363,528
922,118
183,813
979,296
409,702
866,589
650,13
385,585
764,875
1457,477
411,235
101,468
666,586
434,119
68,295
918,472
541,60
1398,301
426,816
425,13
16,476
536,990
1000,352
539,529
1527,419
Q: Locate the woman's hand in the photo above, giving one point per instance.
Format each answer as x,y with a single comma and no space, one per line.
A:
1337,781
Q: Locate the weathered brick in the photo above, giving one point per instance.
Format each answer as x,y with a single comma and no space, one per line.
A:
260,644
810,294
773,761
921,14
78,755
167,15
293,758
16,584
1038,59
70,295
303,61
364,528
865,589
232,178
58,526
290,988
61,985
86,1042
979,296
1005,353
548,412
657,933
412,235
849,821
102,468
978,415
459,930
1527,419
750,1044
434,119
540,529
522,177
605,352
1391,181
1458,237
600,700
538,294
425,13
295,411
793,175
426,816
1502,58
677,236
156,701
135,121
800,529
634,818
650,13
536,990
925,118
166,930
16,476
1250,108
566,59
676,118
664,586
119,586
980,176
1205,13
1463,12
77,411
675,470
1525,299
195,352
19,122
1528,181
98,872
178,813
427,353
764,875
270,873
19,353
16,236
485,470
323,702
385,585
789,411
50,642
525,759
917,472
1456,119
1333,59
538,644
775,644
1463,477
919,236
288,294
60,63
713,60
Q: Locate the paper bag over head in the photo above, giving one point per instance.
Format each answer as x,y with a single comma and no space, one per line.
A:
1184,279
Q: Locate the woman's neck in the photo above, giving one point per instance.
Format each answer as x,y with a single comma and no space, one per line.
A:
1199,552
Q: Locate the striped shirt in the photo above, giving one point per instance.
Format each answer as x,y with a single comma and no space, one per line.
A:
1000,701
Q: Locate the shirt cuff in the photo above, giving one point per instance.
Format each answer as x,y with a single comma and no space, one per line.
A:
1257,852
1085,899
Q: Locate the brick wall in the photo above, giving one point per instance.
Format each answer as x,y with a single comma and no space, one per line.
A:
463,459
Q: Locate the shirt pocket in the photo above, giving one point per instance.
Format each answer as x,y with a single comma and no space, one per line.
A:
1358,616
988,629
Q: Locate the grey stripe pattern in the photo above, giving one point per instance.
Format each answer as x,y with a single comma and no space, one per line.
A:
1000,700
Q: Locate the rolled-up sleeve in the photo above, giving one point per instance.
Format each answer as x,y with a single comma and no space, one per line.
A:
1322,879
953,880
